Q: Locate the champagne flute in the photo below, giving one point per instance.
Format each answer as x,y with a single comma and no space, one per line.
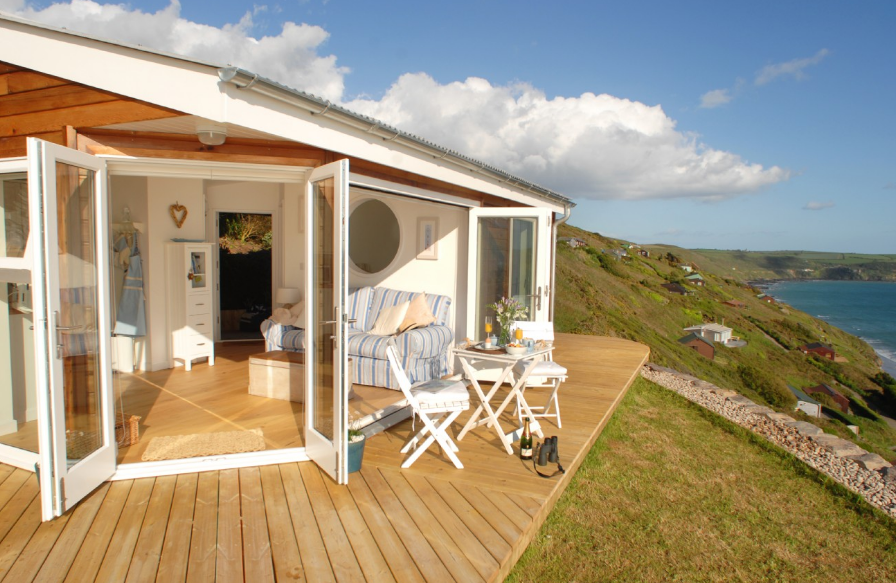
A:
488,325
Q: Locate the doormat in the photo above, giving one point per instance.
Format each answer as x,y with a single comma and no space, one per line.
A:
203,444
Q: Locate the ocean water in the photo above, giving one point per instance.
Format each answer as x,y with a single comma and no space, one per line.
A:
862,308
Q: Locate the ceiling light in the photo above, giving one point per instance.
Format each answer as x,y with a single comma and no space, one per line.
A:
211,134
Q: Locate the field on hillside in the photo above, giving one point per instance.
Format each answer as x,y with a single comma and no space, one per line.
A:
598,294
752,265
671,492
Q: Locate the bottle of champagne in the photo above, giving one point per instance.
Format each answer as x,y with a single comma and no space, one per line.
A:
526,441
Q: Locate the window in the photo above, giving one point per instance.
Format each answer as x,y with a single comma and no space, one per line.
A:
374,236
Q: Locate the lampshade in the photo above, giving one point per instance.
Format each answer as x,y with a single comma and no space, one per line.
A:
211,134
288,295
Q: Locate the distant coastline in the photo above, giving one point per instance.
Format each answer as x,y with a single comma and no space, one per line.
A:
865,309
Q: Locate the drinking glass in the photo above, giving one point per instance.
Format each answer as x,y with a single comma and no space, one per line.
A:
488,325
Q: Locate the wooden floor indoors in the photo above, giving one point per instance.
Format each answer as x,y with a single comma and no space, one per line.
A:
290,522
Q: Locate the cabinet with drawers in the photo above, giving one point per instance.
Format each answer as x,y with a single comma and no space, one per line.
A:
190,316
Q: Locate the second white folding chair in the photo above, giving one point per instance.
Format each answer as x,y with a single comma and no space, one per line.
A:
437,403
546,373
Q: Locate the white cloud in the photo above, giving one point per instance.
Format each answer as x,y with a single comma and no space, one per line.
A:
792,68
590,146
715,98
818,206
290,57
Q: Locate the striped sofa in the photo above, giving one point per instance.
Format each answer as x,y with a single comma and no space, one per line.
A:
423,352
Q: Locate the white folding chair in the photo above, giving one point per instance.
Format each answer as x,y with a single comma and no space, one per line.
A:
546,374
437,403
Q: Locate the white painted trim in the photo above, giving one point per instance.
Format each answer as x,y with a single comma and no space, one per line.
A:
162,167
359,181
19,458
209,463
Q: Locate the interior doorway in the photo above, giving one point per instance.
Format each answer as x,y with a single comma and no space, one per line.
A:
245,273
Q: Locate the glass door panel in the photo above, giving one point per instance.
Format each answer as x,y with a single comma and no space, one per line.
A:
326,383
508,259
72,329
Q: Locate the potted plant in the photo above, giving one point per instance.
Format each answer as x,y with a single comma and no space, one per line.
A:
356,441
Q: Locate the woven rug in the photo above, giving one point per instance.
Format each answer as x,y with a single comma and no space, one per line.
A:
202,444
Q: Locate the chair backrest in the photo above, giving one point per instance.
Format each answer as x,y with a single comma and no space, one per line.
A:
398,372
536,330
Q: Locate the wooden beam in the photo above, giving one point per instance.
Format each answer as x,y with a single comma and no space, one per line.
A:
14,147
7,68
50,98
19,81
119,111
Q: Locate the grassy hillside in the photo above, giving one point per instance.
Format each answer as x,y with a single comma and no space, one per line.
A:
654,502
747,265
597,294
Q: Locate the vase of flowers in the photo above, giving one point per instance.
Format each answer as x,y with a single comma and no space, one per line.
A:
508,311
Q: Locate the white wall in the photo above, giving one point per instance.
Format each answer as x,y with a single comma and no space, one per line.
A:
162,193
445,276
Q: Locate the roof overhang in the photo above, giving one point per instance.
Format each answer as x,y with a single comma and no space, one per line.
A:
234,96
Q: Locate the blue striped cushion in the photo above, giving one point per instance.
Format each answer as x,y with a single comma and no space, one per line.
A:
358,308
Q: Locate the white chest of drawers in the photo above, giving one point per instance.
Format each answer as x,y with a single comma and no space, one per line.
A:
190,316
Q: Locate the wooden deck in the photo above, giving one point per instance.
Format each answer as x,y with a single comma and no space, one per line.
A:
290,522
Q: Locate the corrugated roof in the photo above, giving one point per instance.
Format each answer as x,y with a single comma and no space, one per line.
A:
693,336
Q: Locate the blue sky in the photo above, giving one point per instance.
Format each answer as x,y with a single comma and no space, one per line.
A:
607,103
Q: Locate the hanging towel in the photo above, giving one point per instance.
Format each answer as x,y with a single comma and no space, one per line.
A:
131,317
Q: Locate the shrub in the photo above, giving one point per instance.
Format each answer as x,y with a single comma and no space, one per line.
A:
774,392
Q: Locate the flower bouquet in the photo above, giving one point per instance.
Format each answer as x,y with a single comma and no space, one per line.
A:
508,311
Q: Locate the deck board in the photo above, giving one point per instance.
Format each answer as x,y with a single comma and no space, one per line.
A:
431,522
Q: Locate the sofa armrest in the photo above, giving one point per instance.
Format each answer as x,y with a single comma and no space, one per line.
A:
280,337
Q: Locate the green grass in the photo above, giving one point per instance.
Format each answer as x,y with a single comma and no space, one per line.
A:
671,492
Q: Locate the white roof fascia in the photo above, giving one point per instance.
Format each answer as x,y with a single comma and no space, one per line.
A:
194,88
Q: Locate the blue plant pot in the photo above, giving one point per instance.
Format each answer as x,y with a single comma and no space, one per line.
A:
355,455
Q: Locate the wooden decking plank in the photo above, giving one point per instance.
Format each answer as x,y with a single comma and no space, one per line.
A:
257,562
468,543
284,547
148,550
342,557
441,541
502,525
60,557
368,554
508,507
229,557
313,553
179,532
32,557
93,548
429,563
400,562
204,539
22,488
530,505
478,525
19,536
5,472
121,548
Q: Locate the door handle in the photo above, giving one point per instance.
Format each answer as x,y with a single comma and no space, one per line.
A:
329,321
537,296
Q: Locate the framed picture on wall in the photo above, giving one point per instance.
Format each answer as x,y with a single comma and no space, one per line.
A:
428,238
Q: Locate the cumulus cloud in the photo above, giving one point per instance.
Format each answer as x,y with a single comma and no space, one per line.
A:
715,98
590,146
793,68
818,206
291,57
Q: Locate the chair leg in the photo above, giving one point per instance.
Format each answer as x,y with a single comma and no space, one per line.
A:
437,433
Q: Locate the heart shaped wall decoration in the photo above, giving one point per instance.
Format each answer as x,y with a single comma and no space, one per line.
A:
178,209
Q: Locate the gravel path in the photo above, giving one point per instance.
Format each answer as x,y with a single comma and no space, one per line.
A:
866,474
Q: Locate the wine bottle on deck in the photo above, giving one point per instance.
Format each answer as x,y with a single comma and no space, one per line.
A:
526,441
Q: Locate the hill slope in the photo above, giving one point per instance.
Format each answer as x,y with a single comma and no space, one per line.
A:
600,294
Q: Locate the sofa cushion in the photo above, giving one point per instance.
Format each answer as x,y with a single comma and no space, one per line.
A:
383,297
388,320
418,316
358,308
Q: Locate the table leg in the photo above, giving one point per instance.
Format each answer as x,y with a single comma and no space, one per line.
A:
492,418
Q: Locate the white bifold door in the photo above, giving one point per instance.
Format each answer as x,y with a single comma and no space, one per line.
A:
326,285
509,257
71,319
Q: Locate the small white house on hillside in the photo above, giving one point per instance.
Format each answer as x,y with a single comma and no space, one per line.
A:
712,332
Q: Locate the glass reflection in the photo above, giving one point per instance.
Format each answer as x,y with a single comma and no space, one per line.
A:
323,296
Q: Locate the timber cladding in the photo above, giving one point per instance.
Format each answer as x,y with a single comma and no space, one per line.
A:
37,105
56,110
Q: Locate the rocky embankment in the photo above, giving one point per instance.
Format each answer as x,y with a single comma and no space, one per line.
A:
866,474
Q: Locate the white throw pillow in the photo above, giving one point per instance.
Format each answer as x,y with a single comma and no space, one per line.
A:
387,322
282,316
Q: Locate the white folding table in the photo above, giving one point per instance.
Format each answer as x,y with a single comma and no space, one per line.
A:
468,357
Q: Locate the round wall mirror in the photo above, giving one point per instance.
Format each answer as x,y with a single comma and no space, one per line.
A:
374,236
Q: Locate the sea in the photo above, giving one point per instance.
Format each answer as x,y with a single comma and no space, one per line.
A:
866,309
